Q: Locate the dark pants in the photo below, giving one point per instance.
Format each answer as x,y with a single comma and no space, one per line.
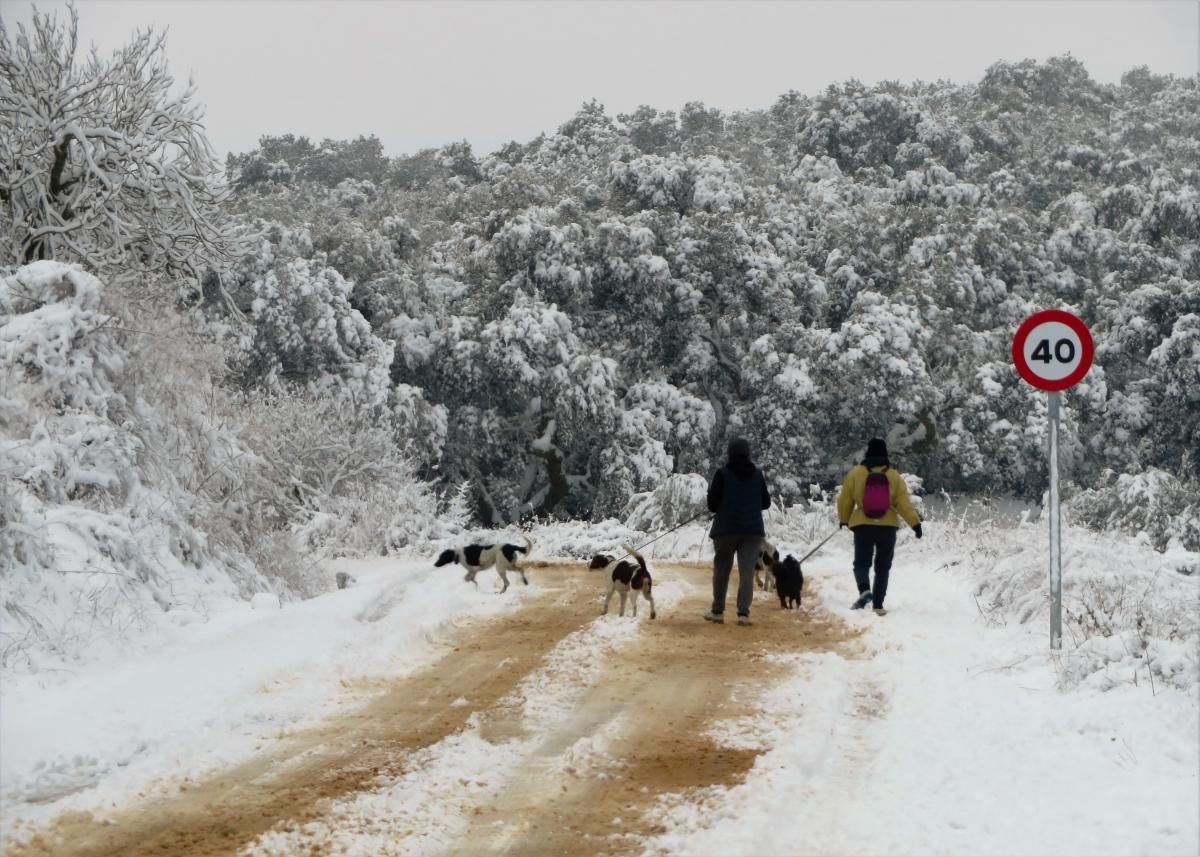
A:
881,541
746,547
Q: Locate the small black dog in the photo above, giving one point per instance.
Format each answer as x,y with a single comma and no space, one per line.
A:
789,581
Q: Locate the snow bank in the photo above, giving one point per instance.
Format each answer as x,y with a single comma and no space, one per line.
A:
137,493
95,549
1130,613
957,720
211,692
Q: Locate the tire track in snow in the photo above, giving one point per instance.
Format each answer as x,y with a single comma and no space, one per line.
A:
815,735
547,731
295,782
647,731
431,804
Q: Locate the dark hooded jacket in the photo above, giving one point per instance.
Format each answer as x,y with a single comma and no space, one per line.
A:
738,494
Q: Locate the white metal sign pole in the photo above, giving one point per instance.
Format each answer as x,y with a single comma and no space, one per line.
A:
1052,401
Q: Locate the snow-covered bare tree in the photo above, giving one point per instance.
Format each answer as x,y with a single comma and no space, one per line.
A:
102,161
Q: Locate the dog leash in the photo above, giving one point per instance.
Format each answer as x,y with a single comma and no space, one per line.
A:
666,533
820,545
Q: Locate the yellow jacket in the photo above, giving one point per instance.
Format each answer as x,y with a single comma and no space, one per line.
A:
849,503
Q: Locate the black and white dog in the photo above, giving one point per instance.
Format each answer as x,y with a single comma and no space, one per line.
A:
475,558
764,566
624,576
789,582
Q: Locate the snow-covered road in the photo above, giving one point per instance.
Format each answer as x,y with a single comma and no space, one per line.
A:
532,725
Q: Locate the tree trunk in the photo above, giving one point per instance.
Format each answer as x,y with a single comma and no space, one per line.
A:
929,442
559,486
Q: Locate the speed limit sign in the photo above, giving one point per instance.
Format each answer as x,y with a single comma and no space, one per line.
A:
1053,350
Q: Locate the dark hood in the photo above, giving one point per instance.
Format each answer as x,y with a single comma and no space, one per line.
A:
877,453
739,458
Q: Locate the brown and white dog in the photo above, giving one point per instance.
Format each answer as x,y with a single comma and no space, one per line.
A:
623,576
475,558
764,566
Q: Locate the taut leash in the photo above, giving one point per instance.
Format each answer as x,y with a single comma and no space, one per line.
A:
667,533
820,545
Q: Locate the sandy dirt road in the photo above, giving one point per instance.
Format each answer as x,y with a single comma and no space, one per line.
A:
637,728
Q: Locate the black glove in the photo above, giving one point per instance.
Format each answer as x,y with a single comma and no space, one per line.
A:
842,525
917,531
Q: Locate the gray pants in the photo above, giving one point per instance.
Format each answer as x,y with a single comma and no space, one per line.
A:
746,546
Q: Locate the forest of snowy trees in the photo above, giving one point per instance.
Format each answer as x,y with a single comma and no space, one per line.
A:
577,317
326,345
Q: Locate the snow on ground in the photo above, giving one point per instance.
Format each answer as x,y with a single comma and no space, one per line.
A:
426,808
954,736
958,733
212,690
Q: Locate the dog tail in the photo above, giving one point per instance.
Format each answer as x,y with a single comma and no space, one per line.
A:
528,544
633,553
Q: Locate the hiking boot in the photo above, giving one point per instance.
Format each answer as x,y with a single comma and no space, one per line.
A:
863,598
744,620
879,611
710,616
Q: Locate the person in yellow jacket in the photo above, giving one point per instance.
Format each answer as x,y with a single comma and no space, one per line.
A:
871,514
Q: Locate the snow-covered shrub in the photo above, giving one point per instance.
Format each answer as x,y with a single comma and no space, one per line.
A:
95,542
579,539
802,526
1113,589
322,445
1154,505
1126,607
350,489
134,484
380,519
679,498
1128,623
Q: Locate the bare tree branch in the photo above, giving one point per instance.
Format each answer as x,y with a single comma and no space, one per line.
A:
100,161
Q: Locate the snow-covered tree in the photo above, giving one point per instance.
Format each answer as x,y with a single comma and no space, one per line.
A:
101,162
594,311
299,327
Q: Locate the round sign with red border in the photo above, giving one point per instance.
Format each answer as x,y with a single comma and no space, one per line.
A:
1053,350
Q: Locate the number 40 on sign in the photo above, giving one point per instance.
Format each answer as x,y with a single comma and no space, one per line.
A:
1053,350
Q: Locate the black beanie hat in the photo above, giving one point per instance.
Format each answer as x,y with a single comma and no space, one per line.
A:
739,447
877,448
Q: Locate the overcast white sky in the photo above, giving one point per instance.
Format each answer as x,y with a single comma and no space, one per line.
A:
420,74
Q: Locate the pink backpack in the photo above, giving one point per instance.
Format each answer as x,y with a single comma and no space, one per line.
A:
877,496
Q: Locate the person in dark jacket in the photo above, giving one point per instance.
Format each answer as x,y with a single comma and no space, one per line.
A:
874,538
737,496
